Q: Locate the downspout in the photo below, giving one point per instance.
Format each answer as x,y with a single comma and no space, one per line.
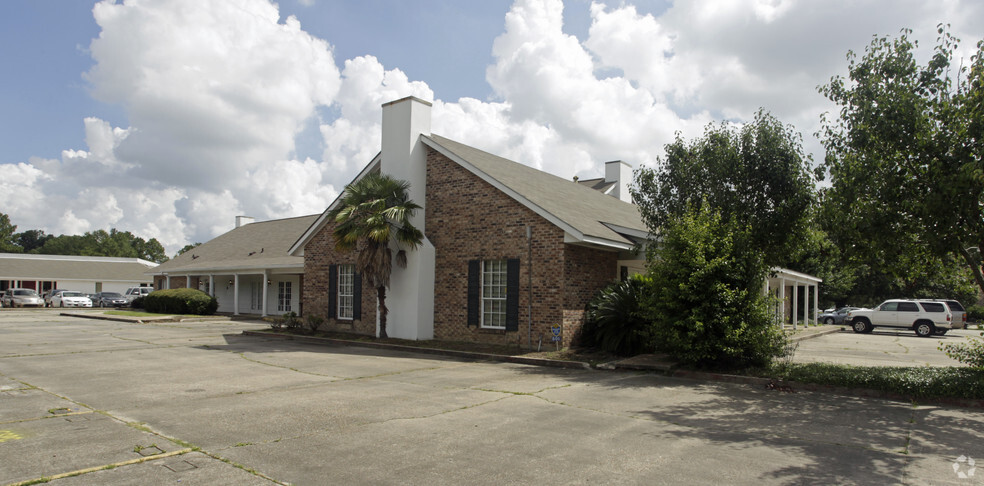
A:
529,287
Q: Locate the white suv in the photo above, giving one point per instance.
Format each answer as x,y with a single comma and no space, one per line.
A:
926,318
134,292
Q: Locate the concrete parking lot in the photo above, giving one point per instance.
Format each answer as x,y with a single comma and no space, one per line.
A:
98,402
883,347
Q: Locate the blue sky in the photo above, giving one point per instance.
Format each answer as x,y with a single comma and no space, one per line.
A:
169,117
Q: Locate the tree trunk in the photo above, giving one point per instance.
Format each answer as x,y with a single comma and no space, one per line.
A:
381,297
975,266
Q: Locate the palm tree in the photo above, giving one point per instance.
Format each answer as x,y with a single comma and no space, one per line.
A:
373,211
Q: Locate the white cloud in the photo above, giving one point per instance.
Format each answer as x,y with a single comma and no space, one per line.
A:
216,93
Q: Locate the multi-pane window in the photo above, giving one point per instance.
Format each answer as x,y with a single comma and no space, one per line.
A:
283,296
346,291
494,294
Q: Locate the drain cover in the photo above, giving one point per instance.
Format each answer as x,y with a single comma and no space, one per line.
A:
149,451
180,466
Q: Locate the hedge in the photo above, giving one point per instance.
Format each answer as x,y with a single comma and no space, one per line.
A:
180,301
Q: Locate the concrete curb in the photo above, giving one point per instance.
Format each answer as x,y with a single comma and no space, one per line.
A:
816,334
787,386
553,363
142,320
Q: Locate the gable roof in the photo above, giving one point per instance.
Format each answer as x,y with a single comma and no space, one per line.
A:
253,246
585,213
18,266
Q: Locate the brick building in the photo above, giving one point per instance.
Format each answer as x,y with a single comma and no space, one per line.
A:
511,254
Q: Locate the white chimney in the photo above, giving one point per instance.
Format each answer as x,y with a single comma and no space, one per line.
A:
404,120
411,291
621,174
243,220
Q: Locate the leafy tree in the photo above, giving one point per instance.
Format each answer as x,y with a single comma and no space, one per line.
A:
707,301
7,230
190,246
905,153
373,211
31,240
756,175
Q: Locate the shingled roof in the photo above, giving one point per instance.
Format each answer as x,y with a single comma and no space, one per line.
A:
588,215
17,266
585,213
254,246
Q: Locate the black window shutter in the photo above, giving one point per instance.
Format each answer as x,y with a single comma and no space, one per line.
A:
357,296
474,291
332,290
512,294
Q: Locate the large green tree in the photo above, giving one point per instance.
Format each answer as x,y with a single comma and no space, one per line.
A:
373,212
7,229
707,301
755,174
904,153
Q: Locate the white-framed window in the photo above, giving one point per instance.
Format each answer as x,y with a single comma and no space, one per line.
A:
346,291
283,296
493,294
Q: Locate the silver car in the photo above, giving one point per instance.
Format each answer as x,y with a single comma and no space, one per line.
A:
831,316
22,298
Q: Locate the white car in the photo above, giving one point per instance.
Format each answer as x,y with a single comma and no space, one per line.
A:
22,298
71,298
926,318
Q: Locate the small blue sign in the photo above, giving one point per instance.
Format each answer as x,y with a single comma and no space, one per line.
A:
554,339
555,329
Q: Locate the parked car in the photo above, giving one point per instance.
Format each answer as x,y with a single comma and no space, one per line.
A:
22,298
831,316
957,310
71,298
925,317
134,292
49,294
109,299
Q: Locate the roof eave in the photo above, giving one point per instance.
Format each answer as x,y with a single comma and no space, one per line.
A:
297,249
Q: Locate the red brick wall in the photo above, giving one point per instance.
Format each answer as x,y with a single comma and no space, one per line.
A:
586,271
319,253
469,219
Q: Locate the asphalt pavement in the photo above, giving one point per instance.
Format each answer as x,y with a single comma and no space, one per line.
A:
102,402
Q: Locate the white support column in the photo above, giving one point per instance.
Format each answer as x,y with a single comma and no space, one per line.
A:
782,301
188,281
167,283
235,295
816,304
211,284
806,305
795,305
266,277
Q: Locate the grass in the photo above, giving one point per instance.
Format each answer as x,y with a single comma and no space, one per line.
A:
912,382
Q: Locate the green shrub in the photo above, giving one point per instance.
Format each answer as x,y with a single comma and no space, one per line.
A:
616,319
180,301
707,302
975,313
912,382
314,321
137,303
970,352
